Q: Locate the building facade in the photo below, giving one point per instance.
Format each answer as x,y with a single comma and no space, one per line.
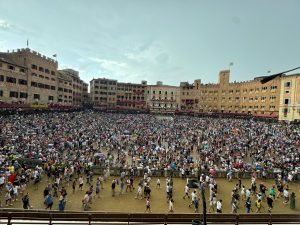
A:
131,96
289,104
41,75
76,89
13,82
104,92
162,98
251,97
189,96
27,76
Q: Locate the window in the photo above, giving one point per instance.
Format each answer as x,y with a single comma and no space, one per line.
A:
50,98
23,95
1,93
273,87
52,73
22,82
22,70
166,92
33,84
1,78
41,69
36,96
47,71
40,85
13,94
153,92
286,101
10,67
287,91
34,74
288,84
285,110
159,92
34,67
11,80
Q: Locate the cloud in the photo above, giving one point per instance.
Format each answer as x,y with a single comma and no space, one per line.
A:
4,24
153,53
109,64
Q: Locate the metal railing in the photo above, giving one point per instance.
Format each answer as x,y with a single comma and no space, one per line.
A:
51,217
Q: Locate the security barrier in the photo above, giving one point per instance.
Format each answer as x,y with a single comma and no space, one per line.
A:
30,216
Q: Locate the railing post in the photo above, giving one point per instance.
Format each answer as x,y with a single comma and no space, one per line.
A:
50,218
128,217
9,218
90,219
165,219
270,219
236,219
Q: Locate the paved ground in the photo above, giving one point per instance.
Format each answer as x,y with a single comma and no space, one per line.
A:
127,203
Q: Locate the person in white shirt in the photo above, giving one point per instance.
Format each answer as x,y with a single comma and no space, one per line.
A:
80,183
186,191
219,206
194,196
286,196
248,193
139,192
158,183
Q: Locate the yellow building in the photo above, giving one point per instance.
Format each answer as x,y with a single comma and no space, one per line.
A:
72,87
289,105
251,97
13,82
104,92
190,96
41,74
162,98
27,76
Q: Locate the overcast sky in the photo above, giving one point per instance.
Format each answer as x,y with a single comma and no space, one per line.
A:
167,40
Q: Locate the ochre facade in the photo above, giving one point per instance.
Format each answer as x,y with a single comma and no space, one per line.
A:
27,76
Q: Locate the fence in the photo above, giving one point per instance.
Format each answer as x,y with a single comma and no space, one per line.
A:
46,217
114,171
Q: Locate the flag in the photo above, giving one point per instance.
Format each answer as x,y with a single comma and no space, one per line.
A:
27,43
55,55
269,78
231,64
272,77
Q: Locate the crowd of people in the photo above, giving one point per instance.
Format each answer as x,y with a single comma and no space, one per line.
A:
69,145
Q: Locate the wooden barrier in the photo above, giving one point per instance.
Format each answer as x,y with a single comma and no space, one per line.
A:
51,216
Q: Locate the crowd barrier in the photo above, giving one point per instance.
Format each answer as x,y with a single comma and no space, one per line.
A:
115,171
52,217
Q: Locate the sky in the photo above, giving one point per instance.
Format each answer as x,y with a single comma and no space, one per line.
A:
165,40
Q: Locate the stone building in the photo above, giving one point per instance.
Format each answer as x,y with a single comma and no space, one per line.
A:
27,76
131,96
41,75
162,98
289,104
104,92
